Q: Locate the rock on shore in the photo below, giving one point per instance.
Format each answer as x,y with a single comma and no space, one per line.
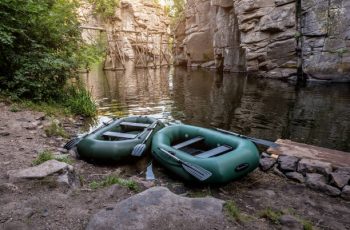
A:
158,208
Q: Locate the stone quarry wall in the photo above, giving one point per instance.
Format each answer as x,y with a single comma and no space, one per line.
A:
270,38
326,39
138,32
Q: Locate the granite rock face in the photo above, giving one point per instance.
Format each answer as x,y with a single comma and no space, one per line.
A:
326,39
138,31
267,31
270,38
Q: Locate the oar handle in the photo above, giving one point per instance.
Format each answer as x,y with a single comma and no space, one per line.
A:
229,132
255,140
152,127
170,155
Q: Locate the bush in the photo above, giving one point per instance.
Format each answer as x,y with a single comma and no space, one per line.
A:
78,100
41,48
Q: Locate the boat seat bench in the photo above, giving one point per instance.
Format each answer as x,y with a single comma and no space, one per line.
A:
133,124
215,151
119,135
188,142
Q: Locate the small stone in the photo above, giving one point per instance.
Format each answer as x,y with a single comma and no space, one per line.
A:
313,180
298,177
330,190
4,134
278,172
45,213
346,192
290,221
267,163
318,182
40,171
8,187
265,155
62,150
314,166
288,163
40,116
340,178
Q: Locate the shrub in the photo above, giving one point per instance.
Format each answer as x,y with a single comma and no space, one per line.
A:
79,101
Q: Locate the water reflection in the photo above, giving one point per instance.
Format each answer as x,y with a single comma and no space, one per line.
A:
316,114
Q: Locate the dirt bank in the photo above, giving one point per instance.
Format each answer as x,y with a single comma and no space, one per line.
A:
260,198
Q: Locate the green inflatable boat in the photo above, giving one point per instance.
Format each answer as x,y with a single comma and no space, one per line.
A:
195,153
118,139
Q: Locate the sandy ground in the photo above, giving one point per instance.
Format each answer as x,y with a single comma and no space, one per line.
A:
46,204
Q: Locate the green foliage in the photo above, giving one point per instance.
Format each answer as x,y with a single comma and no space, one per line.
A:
47,155
14,108
271,215
233,211
51,108
78,101
41,48
111,180
105,8
55,129
38,40
307,225
64,159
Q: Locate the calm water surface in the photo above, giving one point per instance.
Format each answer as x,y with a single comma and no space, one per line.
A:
317,114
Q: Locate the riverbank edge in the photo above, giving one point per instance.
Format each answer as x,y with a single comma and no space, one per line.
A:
75,126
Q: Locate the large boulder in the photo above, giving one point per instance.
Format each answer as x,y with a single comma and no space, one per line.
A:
158,208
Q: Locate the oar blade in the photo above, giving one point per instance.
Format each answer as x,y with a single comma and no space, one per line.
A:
196,171
149,172
138,150
72,143
264,142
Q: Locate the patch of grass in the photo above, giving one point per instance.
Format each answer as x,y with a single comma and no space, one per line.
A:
79,101
47,155
55,130
111,180
75,100
200,193
50,109
233,211
64,159
307,225
271,215
14,108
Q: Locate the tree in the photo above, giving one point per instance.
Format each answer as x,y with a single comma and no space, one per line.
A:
39,47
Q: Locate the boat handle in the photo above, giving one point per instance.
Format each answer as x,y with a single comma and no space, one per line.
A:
242,167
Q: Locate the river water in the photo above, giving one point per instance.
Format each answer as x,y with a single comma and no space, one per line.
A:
317,114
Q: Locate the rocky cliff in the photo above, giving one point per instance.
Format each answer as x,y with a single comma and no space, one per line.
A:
270,38
326,39
137,32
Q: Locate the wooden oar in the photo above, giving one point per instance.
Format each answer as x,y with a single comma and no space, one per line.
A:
255,140
195,170
139,149
73,142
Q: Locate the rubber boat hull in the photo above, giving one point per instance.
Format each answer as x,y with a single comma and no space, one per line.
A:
242,158
97,146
